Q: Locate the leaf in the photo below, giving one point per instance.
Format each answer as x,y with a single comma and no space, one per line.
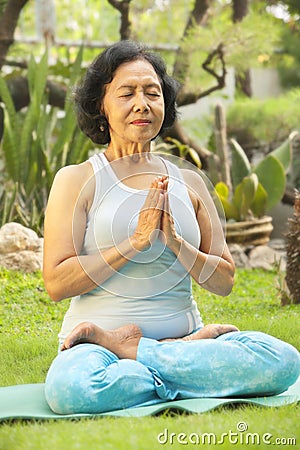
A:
271,175
244,195
285,151
259,204
10,140
240,165
194,156
222,191
37,78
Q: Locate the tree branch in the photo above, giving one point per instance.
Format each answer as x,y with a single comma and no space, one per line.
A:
19,91
20,64
8,23
198,16
123,8
187,98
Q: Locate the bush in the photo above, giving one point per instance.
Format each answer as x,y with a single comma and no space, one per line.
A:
255,123
35,144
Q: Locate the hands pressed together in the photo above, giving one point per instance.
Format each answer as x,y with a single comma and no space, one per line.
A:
155,218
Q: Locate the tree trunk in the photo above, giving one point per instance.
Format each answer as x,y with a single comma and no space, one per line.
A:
240,10
123,8
293,254
206,157
222,144
198,16
8,23
243,80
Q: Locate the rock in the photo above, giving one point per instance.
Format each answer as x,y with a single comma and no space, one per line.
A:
15,237
25,260
265,257
277,244
20,248
239,256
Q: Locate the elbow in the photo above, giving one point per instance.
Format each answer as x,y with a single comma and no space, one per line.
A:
224,289
53,294
227,288
228,282
51,289
222,284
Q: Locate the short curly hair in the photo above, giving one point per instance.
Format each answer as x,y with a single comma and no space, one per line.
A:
89,93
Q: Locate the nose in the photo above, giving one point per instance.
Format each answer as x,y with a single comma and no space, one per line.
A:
141,103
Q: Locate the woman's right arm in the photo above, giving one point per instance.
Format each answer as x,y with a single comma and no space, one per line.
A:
67,273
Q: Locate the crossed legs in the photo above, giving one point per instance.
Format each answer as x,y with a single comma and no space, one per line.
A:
107,370
124,341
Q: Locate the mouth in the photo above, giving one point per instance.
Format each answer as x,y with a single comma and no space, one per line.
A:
141,122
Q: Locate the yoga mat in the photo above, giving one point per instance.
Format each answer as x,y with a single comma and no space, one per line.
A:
27,401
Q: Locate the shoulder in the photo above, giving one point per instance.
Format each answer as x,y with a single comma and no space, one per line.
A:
198,182
200,189
75,183
192,177
192,180
79,173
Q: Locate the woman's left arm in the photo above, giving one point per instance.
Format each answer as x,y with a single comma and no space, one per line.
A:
211,266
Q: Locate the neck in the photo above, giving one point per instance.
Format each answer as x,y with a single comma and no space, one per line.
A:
135,150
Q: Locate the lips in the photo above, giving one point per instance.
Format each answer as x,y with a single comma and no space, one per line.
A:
141,122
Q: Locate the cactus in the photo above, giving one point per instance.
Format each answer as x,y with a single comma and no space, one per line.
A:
255,190
240,165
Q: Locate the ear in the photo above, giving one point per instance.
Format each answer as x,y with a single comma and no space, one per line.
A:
100,107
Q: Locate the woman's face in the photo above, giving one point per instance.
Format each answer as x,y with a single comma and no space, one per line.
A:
133,103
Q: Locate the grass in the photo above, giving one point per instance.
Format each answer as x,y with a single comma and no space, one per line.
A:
29,326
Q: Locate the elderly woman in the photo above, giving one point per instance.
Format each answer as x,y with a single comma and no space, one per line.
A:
125,232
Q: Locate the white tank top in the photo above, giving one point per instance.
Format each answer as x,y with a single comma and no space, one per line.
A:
153,290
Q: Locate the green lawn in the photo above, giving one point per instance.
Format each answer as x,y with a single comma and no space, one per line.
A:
29,326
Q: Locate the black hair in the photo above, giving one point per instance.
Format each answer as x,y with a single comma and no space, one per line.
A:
89,93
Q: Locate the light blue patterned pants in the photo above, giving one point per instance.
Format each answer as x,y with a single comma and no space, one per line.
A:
90,379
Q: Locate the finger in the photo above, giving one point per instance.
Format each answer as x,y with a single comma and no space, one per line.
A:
153,196
155,185
167,207
165,183
160,202
150,194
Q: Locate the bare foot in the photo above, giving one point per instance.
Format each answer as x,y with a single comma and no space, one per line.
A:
210,331
123,341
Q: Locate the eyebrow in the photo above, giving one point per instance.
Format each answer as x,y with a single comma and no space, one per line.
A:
131,86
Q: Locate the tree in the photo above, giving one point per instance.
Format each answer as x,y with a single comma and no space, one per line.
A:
243,80
199,40
8,22
209,42
123,7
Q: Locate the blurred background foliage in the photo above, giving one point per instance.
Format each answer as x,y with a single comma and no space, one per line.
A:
52,42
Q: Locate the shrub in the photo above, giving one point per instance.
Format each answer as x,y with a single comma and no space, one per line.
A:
254,122
36,143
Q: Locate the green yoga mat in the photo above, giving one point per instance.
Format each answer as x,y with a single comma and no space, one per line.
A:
27,401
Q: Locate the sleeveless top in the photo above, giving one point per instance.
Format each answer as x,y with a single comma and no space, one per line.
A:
153,290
